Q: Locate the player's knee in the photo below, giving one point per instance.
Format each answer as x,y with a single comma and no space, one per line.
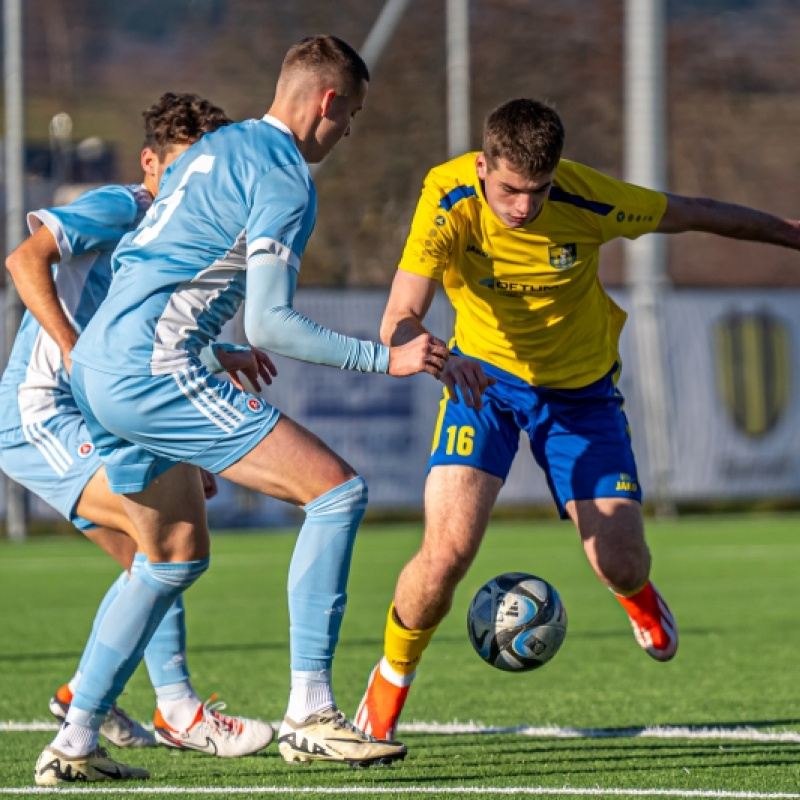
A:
446,567
349,499
173,577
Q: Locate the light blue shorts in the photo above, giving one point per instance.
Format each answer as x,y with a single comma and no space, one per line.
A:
54,459
143,425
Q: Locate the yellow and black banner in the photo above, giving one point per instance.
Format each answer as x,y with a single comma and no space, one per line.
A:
753,359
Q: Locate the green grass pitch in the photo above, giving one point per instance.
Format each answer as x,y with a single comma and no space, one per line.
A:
732,583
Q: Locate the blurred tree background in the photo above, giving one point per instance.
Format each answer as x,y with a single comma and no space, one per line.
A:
734,103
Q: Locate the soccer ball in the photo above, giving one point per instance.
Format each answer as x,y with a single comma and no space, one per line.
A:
516,622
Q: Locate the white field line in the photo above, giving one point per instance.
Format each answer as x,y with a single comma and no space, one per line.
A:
514,791
747,734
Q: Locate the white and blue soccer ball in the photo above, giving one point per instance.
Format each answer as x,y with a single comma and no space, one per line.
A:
516,622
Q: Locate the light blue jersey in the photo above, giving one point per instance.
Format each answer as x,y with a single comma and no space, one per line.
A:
44,443
34,386
240,193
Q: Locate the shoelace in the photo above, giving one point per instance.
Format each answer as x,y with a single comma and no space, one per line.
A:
340,722
122,716
212,709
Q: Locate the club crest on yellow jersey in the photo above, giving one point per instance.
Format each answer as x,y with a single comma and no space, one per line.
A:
563,256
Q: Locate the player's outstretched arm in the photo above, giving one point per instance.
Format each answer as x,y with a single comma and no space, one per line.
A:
729,220
272,323
30,267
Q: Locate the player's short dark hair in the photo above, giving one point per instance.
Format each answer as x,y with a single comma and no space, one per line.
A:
330,56
180,118
528,134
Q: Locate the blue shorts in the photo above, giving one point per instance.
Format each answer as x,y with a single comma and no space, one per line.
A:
143,425
54,459
579,437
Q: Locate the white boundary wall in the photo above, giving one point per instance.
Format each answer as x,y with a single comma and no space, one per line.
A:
748,340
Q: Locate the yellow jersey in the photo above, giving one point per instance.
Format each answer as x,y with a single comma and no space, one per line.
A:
529,300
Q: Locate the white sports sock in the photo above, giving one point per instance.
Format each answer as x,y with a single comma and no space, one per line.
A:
179,714
311,693
75,740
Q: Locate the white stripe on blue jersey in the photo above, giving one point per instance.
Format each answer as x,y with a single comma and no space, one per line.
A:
34,385
238,192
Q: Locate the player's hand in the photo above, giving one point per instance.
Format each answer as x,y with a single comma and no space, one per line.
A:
426,353
209,484
469,377
254,365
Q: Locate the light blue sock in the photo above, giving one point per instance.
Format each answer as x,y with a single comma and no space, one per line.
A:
318,574
122,636
165,655
109,598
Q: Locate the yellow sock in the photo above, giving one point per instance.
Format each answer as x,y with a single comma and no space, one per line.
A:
403,648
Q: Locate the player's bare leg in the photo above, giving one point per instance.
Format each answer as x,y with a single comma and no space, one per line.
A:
115,534
612,532
294,465
170,516
458,502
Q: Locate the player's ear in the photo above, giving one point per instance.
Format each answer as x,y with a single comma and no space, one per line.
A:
481,167
326,102
150,162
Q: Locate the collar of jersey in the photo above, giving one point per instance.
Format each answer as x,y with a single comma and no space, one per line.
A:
276,123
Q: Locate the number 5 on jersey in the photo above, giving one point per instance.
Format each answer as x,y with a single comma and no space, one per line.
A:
165,208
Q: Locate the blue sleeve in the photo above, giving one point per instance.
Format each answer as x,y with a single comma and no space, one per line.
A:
97,220
270,322
282,215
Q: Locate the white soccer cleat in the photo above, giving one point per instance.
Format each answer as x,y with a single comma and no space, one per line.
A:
215,733
118,727
330,737
53,768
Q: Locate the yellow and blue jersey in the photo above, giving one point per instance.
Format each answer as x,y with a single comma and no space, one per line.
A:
529,299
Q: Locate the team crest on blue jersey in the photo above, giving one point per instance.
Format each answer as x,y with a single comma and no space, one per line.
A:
563,256
85,449
255,405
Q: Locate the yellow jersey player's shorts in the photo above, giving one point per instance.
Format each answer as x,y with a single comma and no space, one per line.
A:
579,437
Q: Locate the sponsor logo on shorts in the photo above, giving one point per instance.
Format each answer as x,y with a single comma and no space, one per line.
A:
255,405
627,483
85,449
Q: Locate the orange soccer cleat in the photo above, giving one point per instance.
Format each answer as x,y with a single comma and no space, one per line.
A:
381,705
653,624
